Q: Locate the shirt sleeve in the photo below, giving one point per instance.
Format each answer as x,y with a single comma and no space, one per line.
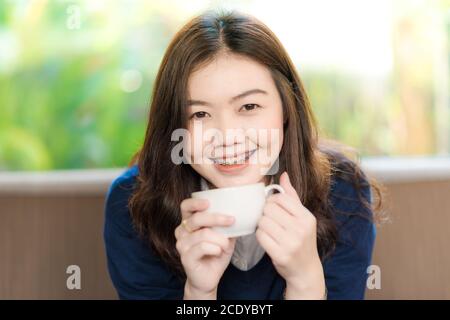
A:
135,271
346,268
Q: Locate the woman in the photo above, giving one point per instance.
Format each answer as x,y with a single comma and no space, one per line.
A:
227,72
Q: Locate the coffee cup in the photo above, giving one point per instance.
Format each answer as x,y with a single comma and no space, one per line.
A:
245,203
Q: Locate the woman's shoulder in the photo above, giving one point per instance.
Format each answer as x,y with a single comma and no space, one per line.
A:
124,181
350,188
351,201
117,198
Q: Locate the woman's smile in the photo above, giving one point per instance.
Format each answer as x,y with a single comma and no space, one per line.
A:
234,165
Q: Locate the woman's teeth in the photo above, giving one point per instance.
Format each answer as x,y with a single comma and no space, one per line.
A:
235,160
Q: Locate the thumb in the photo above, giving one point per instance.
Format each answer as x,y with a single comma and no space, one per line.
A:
285,183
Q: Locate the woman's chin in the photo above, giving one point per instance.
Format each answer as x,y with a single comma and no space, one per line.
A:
249,175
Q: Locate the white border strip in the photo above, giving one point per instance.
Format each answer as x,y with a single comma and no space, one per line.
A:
408,169
89,182
96,182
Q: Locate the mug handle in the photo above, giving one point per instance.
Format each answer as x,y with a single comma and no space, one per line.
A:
273,187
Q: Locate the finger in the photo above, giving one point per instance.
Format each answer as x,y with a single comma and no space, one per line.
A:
275,212
273,229
267,242
295,200
181,232
292,205
203,219
190,205
285,182
204,235
202,249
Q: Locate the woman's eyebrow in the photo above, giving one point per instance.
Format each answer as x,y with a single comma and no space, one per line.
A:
239,96
197,102
247,93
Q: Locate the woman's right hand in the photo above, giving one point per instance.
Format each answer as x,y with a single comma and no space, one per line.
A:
204,253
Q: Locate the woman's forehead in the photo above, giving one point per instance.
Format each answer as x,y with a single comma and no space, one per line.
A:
227,76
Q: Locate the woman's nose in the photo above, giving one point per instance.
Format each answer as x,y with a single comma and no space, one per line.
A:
229,131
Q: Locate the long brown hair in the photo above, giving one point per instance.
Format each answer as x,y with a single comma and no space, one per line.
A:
161,185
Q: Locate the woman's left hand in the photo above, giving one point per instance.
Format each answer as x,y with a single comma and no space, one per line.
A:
287,232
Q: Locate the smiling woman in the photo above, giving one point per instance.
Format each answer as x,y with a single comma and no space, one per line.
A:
228,71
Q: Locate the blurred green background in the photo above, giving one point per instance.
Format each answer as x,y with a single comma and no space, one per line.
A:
76,76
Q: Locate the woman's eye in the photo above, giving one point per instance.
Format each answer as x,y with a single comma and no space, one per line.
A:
199,115
249,107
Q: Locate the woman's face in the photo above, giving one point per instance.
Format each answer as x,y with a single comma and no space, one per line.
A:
235,121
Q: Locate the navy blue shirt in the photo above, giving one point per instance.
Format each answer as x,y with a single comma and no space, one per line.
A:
137,273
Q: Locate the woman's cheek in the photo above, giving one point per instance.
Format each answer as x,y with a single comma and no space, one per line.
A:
270,146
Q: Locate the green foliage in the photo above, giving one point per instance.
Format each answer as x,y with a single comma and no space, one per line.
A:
65,101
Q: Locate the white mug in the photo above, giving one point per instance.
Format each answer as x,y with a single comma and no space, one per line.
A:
245,203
